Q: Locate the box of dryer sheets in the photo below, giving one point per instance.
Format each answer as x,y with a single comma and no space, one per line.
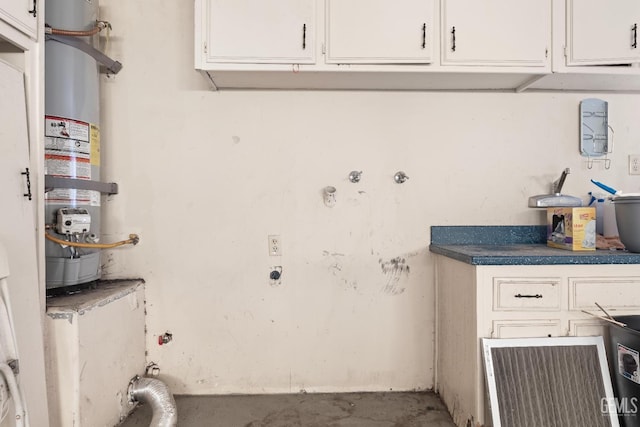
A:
572,228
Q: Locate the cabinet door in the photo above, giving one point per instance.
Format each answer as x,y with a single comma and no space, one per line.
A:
20,14
496,32
526,328
615,294
587,328
600,32
17,234
379,31
258,31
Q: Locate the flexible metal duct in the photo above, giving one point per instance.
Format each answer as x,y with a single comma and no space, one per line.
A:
155,393
14,391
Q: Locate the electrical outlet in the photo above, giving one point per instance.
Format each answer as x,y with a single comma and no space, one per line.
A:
275,245
634,164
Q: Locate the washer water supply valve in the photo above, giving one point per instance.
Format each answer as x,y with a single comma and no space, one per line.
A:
152,369
73,221
400,177
165,338
355,176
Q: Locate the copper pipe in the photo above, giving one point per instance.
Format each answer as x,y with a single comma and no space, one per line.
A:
133,240
100,25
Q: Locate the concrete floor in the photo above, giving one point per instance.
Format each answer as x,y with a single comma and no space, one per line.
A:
392,409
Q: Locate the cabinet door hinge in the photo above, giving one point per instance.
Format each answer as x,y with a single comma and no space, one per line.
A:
204,47
546,52
564,49
323,49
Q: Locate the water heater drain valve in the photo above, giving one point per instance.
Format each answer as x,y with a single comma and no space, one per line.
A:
73,220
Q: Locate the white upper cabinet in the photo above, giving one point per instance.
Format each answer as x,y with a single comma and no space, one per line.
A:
379,31
600,32
258,31
21,14
496,32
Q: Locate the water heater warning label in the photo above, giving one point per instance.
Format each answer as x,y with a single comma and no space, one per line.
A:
71,148
66,128
67,148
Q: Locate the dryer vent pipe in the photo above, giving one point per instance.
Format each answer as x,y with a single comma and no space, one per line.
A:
156,394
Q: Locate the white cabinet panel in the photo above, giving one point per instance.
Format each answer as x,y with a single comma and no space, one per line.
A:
20,14
496,32
17,234
526,329
379,31
258,31
610,292
524,294
587,327
601,32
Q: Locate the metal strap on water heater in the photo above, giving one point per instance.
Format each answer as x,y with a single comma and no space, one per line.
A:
111,65
51,182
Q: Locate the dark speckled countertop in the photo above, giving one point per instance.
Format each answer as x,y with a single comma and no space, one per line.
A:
514,245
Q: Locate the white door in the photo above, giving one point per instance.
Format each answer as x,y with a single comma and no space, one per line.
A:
19,13
379,31
496,32
17,234
601,32
259,31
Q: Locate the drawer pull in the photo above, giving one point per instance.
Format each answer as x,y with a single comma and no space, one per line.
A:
528,296
27,175
34,11
453,39
304,36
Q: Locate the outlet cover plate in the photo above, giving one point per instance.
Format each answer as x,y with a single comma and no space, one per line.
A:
275,245
634,164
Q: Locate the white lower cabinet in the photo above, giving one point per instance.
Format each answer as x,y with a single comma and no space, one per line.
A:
517,301
526,329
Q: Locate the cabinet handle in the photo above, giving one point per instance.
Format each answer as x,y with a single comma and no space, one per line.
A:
528,296
424,35
26,173
635,36
453,39
34,11
304,36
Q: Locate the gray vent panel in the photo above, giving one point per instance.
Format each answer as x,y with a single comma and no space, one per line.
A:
551,386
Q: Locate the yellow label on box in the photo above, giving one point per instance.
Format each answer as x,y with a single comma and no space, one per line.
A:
571,228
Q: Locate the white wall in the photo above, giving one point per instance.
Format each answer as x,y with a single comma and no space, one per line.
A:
206,176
